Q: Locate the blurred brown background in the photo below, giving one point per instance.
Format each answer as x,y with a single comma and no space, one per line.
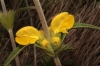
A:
85,41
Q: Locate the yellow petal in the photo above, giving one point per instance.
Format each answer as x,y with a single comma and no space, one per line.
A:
63,30
63,21
28,31
25,40
27,35
68,21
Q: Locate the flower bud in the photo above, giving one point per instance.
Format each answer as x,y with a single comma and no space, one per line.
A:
56,42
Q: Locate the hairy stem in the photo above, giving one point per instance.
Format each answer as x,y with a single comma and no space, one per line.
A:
42,18
45,27
57,61
35,57
10,33
3,6
13,45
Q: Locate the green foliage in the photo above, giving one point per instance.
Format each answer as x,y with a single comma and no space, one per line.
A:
84,25
13,55
24,8
49,51
63,47
63,36
7,20
66,47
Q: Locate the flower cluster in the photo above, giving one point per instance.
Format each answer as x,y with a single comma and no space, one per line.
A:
60,24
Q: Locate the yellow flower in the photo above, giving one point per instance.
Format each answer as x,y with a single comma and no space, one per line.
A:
45,43
62,22
27,35
56,40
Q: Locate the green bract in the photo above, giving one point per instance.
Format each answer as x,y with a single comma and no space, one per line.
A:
7,20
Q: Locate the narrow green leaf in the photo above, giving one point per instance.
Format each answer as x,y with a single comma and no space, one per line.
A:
84,25
63,35
49,51
24,8
66,47
13,55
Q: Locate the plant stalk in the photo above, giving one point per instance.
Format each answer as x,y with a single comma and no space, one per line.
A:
45,27
10,33
13,45
42,18
35,57
3,6
57,61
